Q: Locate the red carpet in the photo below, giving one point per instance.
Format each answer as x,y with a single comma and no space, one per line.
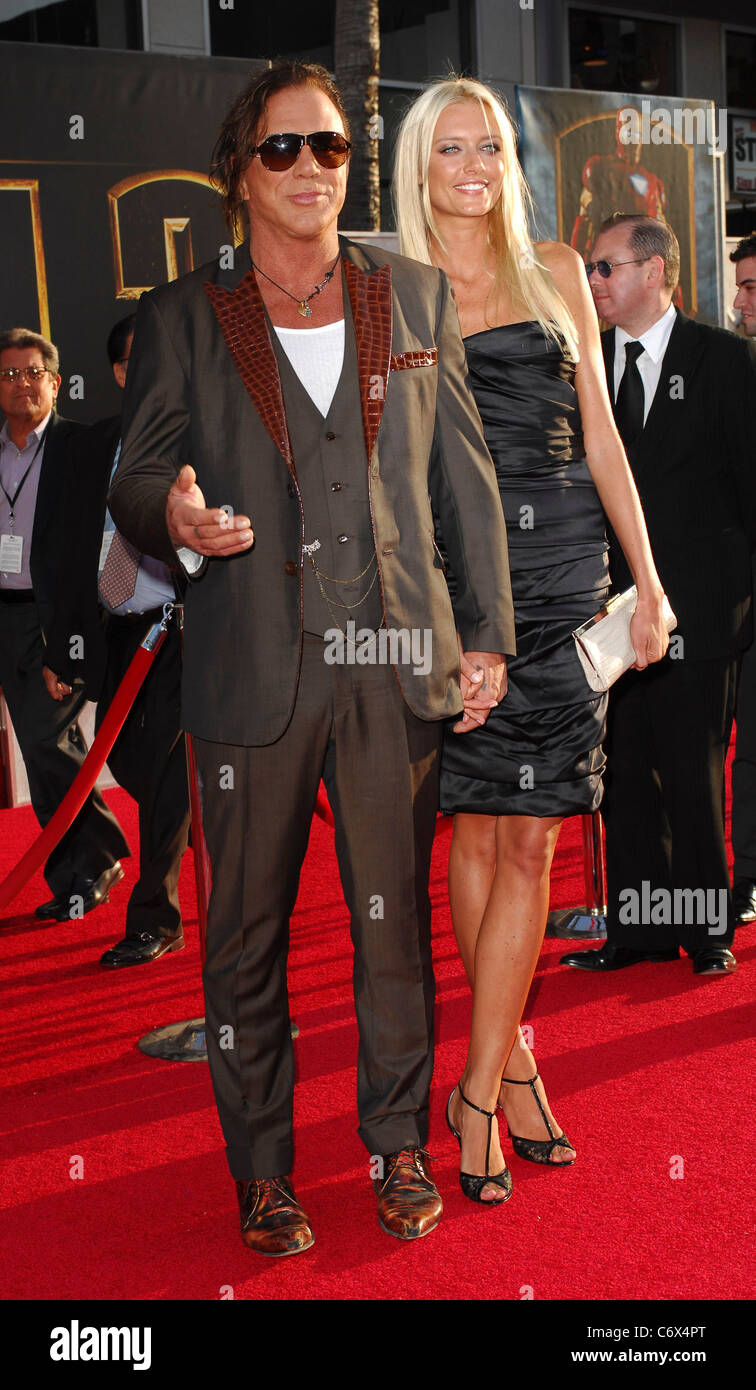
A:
644,1068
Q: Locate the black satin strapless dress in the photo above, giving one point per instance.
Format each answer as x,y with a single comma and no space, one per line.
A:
539,752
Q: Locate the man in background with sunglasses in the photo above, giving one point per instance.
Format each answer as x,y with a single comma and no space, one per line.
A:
35,456
316,389
683,398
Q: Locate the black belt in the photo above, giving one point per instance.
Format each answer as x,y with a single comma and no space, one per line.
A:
151,615
16,595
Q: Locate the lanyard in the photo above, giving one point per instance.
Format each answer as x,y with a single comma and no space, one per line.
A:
12,500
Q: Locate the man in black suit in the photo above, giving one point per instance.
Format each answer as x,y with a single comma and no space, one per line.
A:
744,764
683,400
340,441
36,553
148,758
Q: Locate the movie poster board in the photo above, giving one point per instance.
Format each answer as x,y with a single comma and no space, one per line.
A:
588,154
104,192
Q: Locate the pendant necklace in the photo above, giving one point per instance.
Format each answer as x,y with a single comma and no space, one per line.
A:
303,305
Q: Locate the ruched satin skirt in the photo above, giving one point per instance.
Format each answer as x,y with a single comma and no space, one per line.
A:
539,752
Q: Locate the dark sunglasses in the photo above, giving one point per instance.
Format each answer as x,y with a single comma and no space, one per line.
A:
605,268
280,152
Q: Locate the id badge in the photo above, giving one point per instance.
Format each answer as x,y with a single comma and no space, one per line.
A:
11,554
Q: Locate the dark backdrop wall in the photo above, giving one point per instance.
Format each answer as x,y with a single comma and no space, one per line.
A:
103,193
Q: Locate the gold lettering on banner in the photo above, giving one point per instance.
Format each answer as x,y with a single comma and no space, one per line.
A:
171,226
31,186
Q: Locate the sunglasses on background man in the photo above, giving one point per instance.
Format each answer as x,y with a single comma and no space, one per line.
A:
605,268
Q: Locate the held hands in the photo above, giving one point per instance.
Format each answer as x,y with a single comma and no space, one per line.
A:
208,531
483,682
648,632
56,689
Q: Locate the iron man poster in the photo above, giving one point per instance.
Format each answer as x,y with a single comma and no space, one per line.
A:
589,154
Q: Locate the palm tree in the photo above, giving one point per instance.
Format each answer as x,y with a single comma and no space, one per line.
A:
357,49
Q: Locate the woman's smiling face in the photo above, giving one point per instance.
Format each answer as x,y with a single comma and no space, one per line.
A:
466,166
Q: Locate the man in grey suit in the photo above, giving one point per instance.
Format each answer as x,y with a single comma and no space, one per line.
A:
324,643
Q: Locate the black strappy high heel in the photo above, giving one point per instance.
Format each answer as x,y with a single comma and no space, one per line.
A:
471,1183
538,1150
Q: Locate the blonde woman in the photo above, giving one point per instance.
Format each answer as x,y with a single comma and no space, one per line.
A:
536,371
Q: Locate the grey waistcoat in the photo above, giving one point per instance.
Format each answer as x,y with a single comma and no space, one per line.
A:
332,474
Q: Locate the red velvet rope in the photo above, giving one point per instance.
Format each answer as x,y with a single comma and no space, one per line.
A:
322,807
90,770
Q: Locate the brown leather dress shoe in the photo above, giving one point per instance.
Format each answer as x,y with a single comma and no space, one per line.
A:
272,1221
408,1201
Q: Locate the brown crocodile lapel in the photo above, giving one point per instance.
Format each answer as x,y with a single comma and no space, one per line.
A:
242,322
370,298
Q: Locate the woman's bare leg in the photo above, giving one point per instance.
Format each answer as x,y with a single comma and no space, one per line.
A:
500,957
472,865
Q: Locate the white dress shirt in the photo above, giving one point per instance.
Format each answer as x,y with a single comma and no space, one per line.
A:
654,340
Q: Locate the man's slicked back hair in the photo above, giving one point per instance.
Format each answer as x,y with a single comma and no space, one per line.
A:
649,237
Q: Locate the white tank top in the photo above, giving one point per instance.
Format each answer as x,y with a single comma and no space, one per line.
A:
317,356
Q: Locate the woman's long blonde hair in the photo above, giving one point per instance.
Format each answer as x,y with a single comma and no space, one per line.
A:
519,273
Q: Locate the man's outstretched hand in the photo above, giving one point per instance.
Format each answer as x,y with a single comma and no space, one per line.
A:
208,531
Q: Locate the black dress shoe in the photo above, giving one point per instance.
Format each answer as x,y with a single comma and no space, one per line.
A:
272,1221
141,949
92,892
713,960
744,901
613,957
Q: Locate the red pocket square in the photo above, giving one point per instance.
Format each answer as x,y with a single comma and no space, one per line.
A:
426,357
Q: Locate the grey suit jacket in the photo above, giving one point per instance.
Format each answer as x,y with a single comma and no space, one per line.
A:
203,388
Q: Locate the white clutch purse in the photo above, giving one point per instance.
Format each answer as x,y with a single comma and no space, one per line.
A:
603,643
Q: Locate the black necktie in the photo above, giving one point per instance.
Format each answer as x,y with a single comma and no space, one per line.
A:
630,404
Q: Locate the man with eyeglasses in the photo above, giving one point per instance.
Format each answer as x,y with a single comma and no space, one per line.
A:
683,397
113,596
35,464
316,390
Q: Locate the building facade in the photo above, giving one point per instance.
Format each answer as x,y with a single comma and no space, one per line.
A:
689,49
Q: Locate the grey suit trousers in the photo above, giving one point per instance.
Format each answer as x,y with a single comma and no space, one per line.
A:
380,764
